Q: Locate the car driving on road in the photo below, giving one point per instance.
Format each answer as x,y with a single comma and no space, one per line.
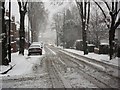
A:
35,48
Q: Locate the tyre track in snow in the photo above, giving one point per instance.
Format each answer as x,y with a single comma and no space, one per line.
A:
53,76
101,79
86,75
110,69
56,79
109,80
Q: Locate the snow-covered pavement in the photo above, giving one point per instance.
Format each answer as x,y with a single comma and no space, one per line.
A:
4,68
99,57
21,64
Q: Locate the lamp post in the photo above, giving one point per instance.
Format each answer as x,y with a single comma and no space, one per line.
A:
9,45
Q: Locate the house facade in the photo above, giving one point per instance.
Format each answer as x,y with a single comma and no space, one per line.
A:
13,31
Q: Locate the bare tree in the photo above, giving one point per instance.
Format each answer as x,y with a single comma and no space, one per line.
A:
113,9
38,17
22,11
97,29
84,10
76,16
57,26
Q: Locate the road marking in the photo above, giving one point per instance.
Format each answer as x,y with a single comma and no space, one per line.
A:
51,50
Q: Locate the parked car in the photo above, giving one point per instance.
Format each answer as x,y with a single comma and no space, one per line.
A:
102,49
35,48
91,47
38,43
78,45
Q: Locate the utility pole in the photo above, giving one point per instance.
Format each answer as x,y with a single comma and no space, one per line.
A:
9,45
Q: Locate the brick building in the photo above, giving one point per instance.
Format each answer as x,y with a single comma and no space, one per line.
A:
13,31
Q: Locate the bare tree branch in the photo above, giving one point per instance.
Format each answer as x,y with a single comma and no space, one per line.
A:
81,10
112,14
115,11
19,3
118,11
25,7
100,8
113,3
78,6
116,6
102,12
22,3
117,23
107,5
26,3
85,4
88,17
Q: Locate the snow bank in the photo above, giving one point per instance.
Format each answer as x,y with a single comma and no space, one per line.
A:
100,57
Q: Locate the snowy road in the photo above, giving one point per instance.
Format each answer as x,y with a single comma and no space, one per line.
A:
58,69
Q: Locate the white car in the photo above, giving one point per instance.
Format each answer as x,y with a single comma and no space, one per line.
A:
35,48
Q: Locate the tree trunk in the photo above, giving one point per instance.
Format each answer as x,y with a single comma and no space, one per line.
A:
84,39
112,34
111,41
22,33
84,28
